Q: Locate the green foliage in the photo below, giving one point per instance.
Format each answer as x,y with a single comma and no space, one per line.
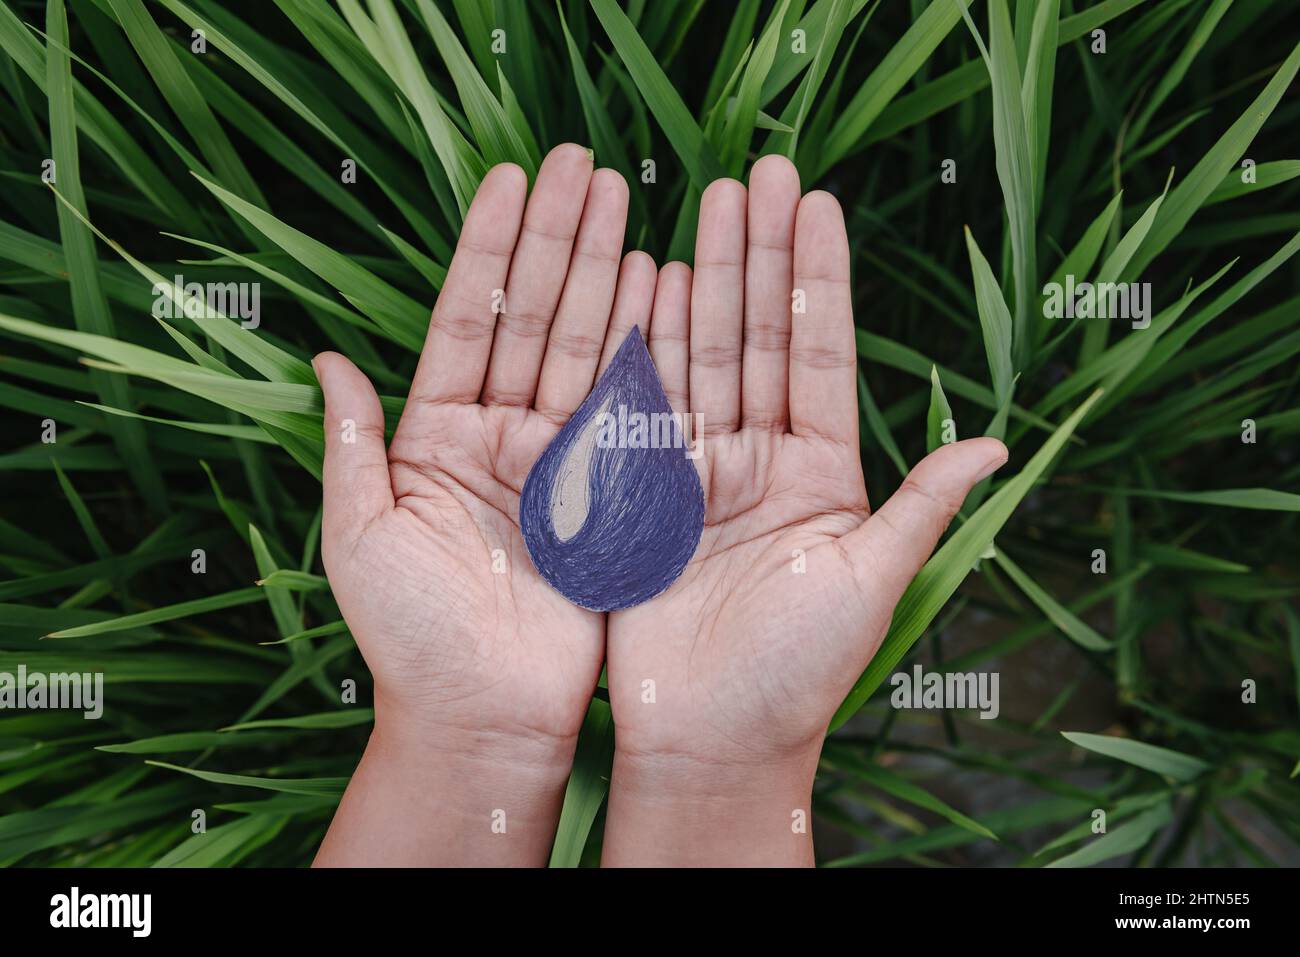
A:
1131,571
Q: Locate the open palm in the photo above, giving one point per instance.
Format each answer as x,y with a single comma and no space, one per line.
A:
747,656
421,540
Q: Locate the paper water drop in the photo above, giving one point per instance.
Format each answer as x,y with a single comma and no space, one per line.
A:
613,510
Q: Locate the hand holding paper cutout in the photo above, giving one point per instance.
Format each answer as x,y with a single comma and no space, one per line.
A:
482,672
723,686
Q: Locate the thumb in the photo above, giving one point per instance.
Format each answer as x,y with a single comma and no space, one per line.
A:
900,536
355,478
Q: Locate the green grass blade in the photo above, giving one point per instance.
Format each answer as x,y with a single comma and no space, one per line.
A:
225,844
84,518
309,786
996,325
1265,499
1266,176
325,720
1014,155
1205,177
1038,84
939,414
661,97
1172,764
495,135
184,609
90,308
901,788
176,86
739,127
948,567
970,78
1178,70
1070,625
588,783
400,316
898,66
1128,837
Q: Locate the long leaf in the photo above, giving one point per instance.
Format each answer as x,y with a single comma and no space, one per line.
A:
665,103
1174,764
89,306
948,567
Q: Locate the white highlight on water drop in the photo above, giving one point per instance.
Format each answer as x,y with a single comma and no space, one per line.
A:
571,493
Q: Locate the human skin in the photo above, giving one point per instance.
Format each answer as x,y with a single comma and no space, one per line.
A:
793,585
482,678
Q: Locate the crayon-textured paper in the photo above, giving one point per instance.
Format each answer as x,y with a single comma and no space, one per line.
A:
613,510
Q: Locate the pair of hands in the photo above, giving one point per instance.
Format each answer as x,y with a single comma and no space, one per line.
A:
722,686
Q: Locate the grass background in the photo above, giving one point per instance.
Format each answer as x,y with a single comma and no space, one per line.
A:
1121,691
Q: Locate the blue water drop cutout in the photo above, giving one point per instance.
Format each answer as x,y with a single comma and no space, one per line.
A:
612,510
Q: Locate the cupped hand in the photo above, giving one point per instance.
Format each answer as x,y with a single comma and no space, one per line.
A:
726,683
421,540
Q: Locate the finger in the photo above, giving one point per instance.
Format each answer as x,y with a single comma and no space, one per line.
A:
823,359
773,200
355,474
670,333
578,333
537,273
632,304
718,306
890,547
459,341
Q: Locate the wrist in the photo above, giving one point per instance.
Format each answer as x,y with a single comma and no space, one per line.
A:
419,741
676,809
427,794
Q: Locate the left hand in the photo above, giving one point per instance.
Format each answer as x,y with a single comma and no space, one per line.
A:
483,673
